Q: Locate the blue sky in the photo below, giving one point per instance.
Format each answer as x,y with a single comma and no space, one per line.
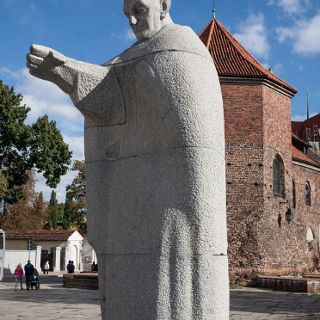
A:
281,34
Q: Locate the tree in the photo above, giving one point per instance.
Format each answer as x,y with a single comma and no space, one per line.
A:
55,211
23,147
3,186
29,212
40,210
75,206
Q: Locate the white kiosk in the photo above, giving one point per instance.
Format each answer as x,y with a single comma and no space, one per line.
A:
2,252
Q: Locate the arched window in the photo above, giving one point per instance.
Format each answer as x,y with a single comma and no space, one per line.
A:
278,177
294,199
307,194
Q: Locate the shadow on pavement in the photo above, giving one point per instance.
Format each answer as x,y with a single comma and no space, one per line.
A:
73,296
298,306
46,279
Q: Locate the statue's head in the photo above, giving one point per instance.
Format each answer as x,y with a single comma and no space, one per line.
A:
147,17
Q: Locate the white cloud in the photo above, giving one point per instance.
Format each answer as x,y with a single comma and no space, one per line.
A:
127,35
45,98
291,7
305,35
9,73
278,69
76,145
284,33
298,117
253,36
302,117
130,35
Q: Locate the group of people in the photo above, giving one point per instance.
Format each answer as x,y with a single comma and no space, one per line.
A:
29,271
70,267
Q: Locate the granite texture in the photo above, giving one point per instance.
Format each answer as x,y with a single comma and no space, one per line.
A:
154,150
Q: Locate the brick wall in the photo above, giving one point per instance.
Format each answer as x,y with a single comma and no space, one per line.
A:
261,240
274,241
306,216
284,248
244,170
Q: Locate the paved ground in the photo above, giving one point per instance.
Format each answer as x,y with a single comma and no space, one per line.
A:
53,302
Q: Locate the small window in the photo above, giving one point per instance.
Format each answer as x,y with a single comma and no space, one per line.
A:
308,133
307,194
294,199
278,177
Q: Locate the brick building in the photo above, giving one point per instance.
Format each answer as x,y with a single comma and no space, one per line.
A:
309,131
273,183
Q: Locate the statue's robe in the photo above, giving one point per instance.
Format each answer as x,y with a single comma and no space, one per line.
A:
154,150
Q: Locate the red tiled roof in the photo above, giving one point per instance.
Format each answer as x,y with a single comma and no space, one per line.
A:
297,140
232,59
312,120
301,157
42,235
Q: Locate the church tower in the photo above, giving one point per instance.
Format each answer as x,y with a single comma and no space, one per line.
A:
257,111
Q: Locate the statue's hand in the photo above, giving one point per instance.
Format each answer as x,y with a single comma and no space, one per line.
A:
48,64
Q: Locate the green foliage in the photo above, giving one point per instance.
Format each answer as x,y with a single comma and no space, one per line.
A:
75,206
23,147
48,151
3,185
55,211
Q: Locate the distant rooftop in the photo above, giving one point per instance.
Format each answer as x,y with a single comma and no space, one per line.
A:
232,59
41,235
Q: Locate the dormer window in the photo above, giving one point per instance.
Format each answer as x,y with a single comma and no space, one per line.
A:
308,133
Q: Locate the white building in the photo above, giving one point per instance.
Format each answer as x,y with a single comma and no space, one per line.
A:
57,247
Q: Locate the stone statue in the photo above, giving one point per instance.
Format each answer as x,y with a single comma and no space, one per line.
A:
154,150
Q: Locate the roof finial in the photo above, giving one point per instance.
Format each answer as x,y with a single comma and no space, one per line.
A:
308,114
213,10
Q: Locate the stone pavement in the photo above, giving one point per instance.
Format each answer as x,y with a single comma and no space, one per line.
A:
53,302
256,304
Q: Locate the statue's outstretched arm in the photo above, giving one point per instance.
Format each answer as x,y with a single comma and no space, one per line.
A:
48,64
74,77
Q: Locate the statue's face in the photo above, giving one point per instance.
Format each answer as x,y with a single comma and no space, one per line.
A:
144,17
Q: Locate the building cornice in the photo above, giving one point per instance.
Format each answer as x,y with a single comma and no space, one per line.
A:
255,81
304,165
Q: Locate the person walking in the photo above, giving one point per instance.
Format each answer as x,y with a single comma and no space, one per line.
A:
46,268
28,270
18,274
